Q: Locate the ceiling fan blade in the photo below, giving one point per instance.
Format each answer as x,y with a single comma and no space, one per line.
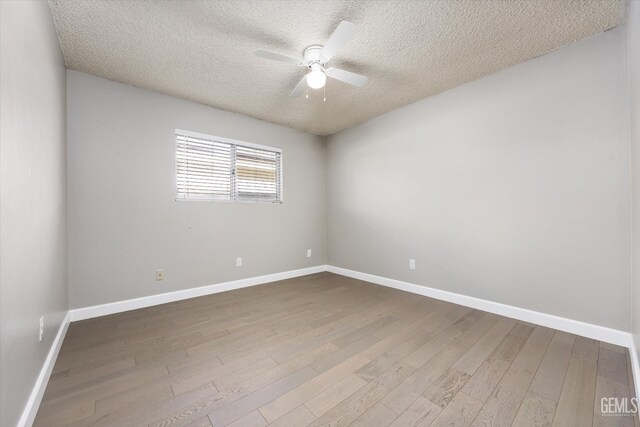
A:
276,57
300,87
353,79
342,34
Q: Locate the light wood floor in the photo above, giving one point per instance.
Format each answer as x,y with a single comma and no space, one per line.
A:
328,350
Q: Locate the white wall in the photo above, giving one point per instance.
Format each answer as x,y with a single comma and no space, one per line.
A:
513,188
125,222
33,216
633,49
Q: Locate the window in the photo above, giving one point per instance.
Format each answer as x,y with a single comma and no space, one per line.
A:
214,168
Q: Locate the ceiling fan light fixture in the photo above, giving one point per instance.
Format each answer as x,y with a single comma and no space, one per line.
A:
316,78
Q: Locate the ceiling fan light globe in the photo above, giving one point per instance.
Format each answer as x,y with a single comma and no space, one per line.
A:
316,79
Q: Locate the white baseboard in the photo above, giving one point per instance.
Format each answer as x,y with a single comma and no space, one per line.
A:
635,364
600,333
31,408
133,304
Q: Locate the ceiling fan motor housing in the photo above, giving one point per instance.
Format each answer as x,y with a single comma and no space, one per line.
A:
313,55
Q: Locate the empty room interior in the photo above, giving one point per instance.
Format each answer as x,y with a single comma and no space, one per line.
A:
319,213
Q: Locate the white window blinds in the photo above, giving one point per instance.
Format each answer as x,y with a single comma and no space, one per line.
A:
257,174
213,168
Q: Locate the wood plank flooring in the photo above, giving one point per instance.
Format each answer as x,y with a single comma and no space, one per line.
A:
328,350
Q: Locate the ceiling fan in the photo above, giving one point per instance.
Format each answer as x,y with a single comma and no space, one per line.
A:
315,59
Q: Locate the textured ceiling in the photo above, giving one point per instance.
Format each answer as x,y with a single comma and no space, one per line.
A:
203,50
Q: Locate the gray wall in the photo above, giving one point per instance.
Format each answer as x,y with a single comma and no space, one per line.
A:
124,220
33,201
513,188
633,49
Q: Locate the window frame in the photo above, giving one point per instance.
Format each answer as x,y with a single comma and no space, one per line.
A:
230,141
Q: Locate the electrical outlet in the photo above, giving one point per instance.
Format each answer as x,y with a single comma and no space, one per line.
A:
159,275
239,261
41,333
308,253
412,264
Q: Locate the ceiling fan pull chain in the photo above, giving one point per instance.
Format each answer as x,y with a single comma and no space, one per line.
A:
324,93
